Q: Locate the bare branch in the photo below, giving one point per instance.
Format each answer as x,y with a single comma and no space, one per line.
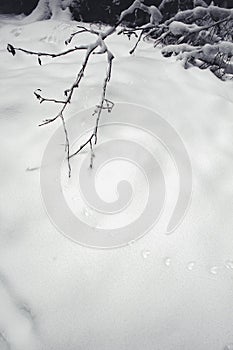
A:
53,55
67,146
44,99
137,42
100,107
181,35
82,30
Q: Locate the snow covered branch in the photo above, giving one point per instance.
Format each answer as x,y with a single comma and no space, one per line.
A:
90,49
200,37
13,50
188,32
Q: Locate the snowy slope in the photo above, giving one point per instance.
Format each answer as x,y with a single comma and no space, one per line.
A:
163,292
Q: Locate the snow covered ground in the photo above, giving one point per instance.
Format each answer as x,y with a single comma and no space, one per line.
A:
163,292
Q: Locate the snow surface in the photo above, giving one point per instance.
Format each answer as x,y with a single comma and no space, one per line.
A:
162,292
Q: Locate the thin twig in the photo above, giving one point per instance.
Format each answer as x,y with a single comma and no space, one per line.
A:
82,30
67,146
45,99
137,42
53,55
100,107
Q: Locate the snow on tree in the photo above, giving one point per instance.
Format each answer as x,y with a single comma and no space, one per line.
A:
55,9
200,3
208,30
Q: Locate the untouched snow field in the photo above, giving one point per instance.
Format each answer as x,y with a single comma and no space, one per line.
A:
164,292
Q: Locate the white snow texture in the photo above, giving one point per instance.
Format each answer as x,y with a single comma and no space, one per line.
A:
160,293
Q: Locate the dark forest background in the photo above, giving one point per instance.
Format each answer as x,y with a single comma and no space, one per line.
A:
107,11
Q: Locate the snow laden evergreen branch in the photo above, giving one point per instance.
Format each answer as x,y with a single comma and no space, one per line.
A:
193,29
178,28
206,46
